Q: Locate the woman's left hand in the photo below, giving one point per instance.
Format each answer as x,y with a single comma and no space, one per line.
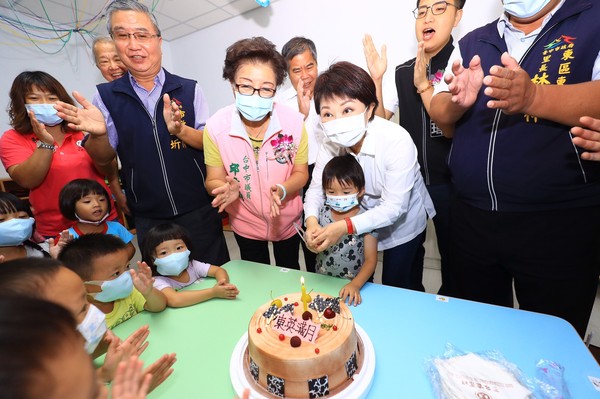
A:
330,234
275,200
226,194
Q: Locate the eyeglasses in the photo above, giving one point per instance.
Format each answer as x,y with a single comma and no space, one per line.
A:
248,90
436,9
139,36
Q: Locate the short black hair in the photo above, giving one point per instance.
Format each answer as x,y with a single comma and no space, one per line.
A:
33,332
346,170
76,190
159,234
10,203
346,80
79,254
28,276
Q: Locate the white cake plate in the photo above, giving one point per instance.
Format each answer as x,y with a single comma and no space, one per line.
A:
358,389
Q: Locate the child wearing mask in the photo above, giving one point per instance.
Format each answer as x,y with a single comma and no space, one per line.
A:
49,280
166,249
17,229
87,202
102,262
354,256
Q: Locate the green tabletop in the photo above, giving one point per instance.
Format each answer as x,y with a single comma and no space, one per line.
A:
204,335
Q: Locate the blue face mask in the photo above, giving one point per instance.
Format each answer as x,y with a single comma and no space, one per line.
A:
253,108
93,327
342,203
15,231
119,288
524,8
45,113
173,264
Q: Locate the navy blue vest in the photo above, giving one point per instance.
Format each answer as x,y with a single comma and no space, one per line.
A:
163,177
517,162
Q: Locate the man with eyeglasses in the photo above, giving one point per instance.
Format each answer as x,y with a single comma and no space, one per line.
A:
410,93
300,55
527,210
153,120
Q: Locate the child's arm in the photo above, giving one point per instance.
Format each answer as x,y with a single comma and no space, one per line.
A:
142,280
351,291
179,299
219,274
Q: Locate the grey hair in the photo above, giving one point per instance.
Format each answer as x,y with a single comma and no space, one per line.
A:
100,40
128,5
296,46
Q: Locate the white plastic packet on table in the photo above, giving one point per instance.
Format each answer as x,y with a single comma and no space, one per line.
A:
459,375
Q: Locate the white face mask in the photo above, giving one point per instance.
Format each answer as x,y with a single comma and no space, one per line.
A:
93,327
96,223
524,8
346,131
342,203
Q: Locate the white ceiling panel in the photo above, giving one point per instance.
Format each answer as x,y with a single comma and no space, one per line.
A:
176,18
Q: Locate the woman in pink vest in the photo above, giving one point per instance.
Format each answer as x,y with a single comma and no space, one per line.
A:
256,154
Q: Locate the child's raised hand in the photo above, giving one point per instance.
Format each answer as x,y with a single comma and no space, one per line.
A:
350,294
56,246
136,343
142,279
227,291
160,370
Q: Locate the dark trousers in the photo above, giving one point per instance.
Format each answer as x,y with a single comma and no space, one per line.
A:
552,257
310,258
285,251
441,195
205,227
403,264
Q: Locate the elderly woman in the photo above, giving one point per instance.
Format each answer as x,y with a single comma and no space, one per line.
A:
41,153
107,60
396,202
256,153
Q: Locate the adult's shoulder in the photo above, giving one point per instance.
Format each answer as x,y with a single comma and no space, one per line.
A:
12,136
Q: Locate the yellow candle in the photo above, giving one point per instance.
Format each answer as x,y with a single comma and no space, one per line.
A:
304,298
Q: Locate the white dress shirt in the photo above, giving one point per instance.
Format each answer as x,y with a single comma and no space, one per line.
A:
312,124
396,201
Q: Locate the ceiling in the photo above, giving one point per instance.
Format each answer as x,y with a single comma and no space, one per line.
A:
176,18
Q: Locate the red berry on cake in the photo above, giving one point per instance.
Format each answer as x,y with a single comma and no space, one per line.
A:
295,341
295,303
281,337
317,351
259,330
328,313
334,328
307,315
285,299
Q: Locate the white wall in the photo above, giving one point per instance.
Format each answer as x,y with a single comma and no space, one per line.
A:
336,26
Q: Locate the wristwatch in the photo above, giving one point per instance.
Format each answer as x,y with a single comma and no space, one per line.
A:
41,144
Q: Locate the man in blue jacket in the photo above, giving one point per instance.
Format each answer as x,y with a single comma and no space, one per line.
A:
528,206
153,120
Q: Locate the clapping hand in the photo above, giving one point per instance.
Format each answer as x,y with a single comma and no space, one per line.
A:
226,194
465,83
142,279
89,118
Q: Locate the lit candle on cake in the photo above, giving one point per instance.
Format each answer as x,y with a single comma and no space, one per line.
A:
304,297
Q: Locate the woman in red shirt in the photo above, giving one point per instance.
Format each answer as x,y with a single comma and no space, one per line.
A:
41,153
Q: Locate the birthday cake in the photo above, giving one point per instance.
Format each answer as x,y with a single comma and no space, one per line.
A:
298,353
